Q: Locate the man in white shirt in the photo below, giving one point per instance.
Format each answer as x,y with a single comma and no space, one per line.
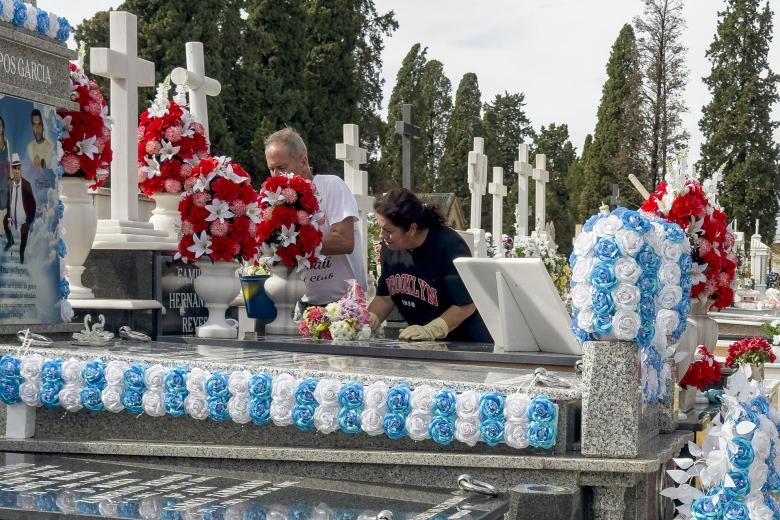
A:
21,208
39,150
285,152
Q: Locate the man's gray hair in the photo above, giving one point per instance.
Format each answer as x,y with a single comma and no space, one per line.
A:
290,139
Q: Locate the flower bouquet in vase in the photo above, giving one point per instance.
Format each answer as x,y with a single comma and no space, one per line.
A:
701,373
85,142
220,221
170,143
754,352
290,241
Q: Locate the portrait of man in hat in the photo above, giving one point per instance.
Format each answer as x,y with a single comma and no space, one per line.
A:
21,208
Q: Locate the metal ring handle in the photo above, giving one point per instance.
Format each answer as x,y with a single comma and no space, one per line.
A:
128,333
466,483
32,339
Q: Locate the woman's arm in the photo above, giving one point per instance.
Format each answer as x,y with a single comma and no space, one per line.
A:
457,314
381,307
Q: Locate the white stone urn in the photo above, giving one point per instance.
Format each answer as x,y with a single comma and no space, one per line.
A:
80,222
217,285
285,288
165,215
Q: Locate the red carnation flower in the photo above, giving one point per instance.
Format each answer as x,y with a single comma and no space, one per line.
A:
283,216
309,237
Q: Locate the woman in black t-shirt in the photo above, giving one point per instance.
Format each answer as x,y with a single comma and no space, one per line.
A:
418,276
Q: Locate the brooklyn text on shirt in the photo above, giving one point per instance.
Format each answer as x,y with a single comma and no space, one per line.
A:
408,284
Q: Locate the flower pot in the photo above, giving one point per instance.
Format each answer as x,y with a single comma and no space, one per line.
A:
706,327
285,288
757,372
165,215
80,222
686,399
258,305
217,285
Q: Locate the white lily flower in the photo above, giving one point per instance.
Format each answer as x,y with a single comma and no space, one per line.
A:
187,121
201,245
253,212
288,235
152,167
107,121
87,147
67,126
697,273
168,151
229,174
268,254
272,197
202,184
218,210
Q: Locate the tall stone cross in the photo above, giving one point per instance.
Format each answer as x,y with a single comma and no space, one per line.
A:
524,172
542,177
199,85
498,190
477,179
127,72
408,132
356,179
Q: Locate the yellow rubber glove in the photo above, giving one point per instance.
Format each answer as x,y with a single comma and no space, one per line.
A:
373,321
437,329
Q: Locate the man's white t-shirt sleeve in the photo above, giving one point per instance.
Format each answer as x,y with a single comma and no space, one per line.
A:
338,202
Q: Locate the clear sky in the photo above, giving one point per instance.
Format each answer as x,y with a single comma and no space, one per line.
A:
555,51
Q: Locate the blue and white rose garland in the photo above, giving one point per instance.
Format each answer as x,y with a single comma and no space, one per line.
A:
35,19
631,282
66,310
518,420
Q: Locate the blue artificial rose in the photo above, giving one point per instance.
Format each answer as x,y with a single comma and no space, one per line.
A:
259,410
619,212
442,429
741,487
444,402
60,209
646,334
588,225
129,509
91,399
260,385
647,259
735,511
580,334
10,366
634,221
88,508
542,435
394,425
760,404
47,501
673,232
303,416
603,277
304,392
63,33
572,260
349,420
134,377
300,511
49,394
750,415
132,400
217,385
685,262
542,410
602,323
652,357
20,13
648,284
175,380
704,509
492,431
64,289
174,404
9,391
218,408
351,396
491,405
344,513
51,370
602,302
398,399
607,250
254,511
684,307
94,374
60,171
647,308
42,23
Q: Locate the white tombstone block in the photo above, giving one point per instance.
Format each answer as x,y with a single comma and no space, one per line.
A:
498,190
199,85
524,172
19,421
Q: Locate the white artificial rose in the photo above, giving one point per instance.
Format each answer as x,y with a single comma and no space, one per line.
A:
669,273
467,405
627,270
238,382
582,269
54,26
327,392
669,296
115,372
326,419
153,403
277,512
196,406
32,14
66,501
26,501
281,412
28,392
149,508
650,380
236,511
238,408
71,371
154,376
417,424
607,227
372,421
422,399
70,397
516,434
626,324
582,296
666,322
108,508
757,473
584,244
364,333
196,382
322,512
284,386
585,320
629,242
467,431
626,296
671,251
516,407
31,366
761,444
776,339
375,396
8,10
111,396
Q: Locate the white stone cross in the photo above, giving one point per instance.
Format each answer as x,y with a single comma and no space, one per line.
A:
498,190
542,177
524,171
477,179
199,85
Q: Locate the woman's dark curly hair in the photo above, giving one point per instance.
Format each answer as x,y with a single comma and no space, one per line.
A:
402,207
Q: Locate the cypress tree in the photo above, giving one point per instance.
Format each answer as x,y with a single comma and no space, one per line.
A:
737,124
435,100
575,181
